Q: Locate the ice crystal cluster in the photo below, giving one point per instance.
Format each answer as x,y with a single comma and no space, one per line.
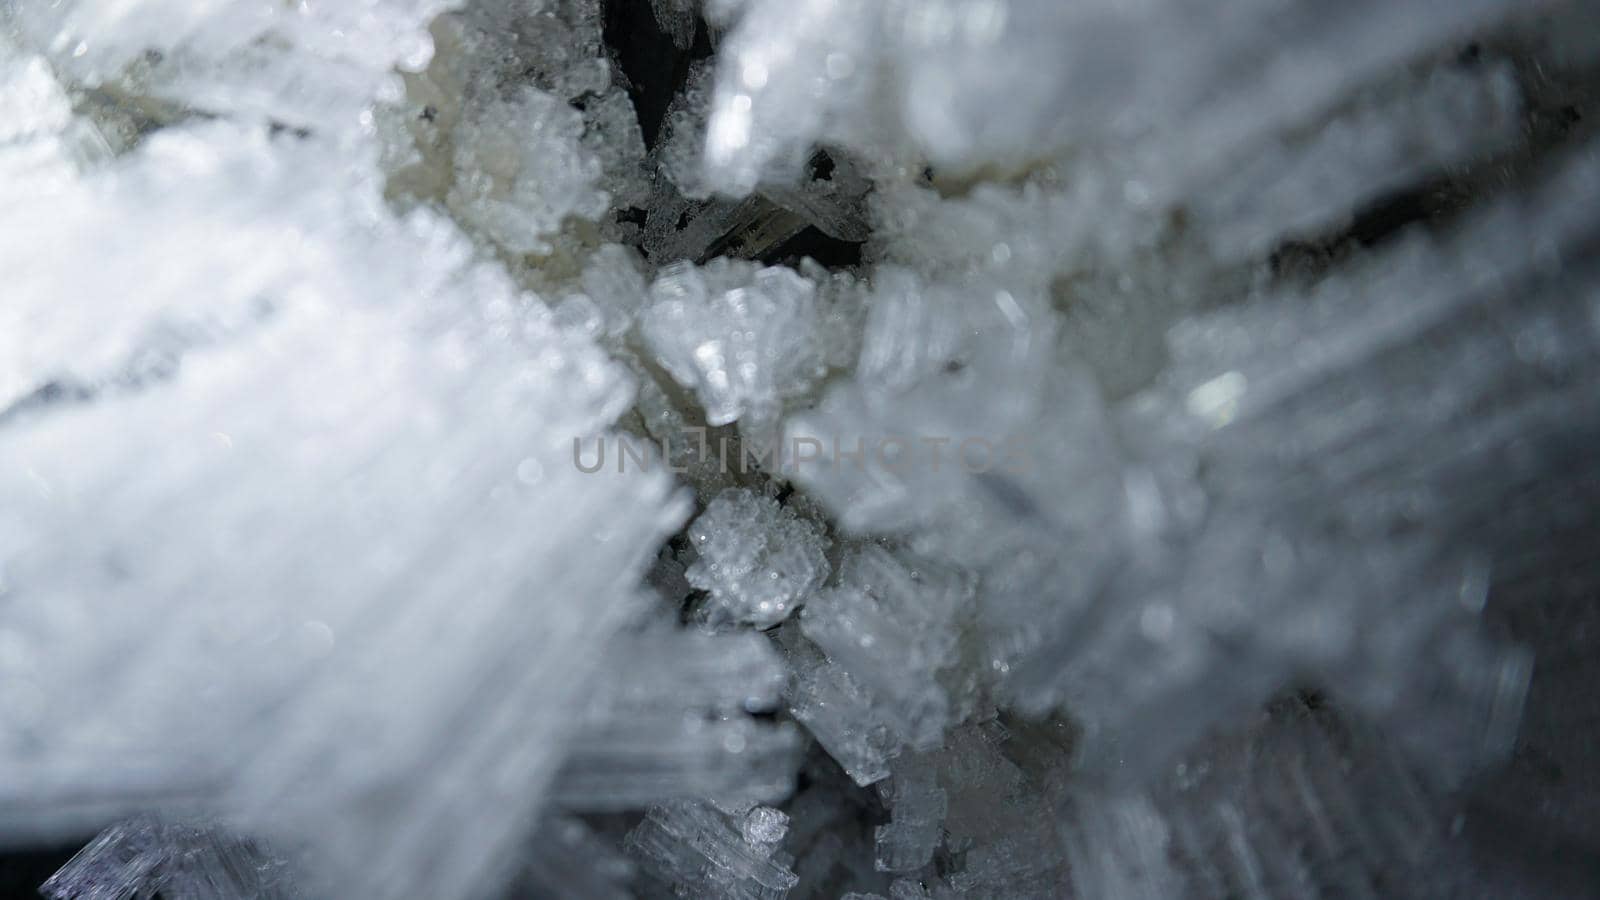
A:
884,449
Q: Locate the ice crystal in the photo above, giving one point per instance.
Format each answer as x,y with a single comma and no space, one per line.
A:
742,339
697,849
757,560
146,855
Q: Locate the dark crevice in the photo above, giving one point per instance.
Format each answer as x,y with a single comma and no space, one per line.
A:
60,392
655,67
1385,217
830,252
1553,122
155,364
820,166
23,871
656,71
276,129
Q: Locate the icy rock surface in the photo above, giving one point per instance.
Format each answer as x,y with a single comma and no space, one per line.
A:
1172,476
892,624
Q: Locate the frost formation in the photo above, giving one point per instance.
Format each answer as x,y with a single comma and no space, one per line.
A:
1198,405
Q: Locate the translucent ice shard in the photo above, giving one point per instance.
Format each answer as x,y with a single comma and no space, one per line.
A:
987,816
233,204
612,281
684,731
146,856
892,624
839,712
1140,402
699,850
916,822
944,437
677,156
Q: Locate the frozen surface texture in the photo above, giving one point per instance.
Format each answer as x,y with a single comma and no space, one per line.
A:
522,128
895,449
306,65
700,850
146,855
757,560
285,624
1301,807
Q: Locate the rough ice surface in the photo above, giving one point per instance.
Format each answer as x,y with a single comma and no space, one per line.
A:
1301,805
891,623
309,66
839,712
700,850
512,172
919,807
757,560
680,19
521,127
146,855
1089,449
